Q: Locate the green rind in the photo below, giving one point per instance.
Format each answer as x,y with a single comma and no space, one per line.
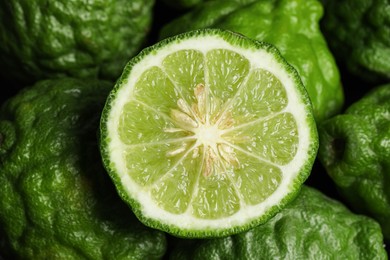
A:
236,40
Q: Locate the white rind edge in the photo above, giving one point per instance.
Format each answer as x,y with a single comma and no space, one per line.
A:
259,59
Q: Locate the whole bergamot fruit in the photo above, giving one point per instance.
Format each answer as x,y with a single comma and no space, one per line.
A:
355,151
84,39
56,201
358,33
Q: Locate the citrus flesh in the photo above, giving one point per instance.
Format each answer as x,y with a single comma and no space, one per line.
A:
208,133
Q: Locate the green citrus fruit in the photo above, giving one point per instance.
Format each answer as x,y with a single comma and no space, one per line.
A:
208,133
355,151
358,33
84,39
56,200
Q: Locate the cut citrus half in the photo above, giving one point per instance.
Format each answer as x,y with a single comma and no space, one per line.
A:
208,133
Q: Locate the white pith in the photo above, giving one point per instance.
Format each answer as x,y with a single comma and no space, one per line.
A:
207,135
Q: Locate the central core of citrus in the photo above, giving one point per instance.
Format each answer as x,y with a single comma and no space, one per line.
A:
202,121
207,134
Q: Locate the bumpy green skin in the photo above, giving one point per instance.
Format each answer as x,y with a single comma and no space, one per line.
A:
292,26
355,150
84,39
56,201
358,33
312,227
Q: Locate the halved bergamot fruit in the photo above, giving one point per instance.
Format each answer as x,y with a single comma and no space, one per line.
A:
208,133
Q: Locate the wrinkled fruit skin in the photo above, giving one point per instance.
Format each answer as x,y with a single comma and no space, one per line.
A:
311,227
84,39
292,26
358,33
355,150
56,201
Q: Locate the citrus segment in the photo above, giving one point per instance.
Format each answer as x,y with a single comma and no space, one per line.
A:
266,89
256,179
274,139
185,68
208,202
208,133
174,189
155,90
226,70
139,123
146,170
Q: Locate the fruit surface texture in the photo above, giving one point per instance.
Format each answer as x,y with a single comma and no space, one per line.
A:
84,39
358,33
355,150
56,200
